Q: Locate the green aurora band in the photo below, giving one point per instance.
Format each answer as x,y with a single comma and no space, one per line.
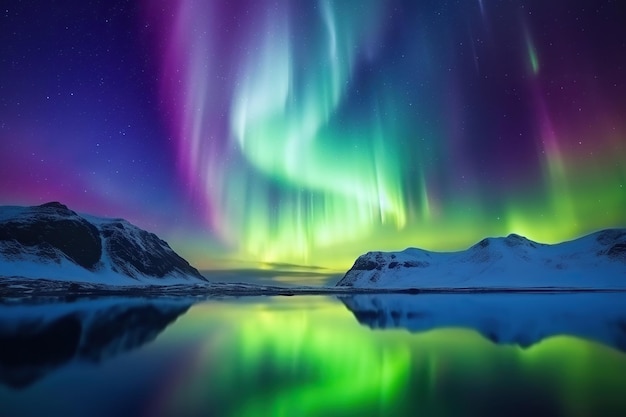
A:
327,130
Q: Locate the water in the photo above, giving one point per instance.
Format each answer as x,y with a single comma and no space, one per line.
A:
445,355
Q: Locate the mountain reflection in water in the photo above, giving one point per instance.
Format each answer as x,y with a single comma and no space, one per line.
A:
509,318
308,356
37,339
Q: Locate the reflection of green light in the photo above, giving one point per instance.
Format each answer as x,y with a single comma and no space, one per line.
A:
574,198
300,362
584,373
309,356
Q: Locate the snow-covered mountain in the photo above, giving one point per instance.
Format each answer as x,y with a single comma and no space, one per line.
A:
36,340
513,318
51,241
595,261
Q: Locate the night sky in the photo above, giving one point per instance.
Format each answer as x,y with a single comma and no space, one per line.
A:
309,132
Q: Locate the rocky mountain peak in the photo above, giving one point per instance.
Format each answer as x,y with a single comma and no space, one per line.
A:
51,234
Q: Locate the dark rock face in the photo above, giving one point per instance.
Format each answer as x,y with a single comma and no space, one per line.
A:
369,262
514,240
51,232
53,226
57,206
363,263
134,250
415,264
482,244
618,252
611,236
378,262
613,244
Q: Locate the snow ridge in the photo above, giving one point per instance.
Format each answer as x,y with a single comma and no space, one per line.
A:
594,261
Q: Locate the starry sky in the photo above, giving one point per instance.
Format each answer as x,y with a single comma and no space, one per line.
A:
269,133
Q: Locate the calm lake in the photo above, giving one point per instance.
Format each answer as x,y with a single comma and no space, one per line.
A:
366,355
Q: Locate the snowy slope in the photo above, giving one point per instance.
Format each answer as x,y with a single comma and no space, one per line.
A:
595,261
51,241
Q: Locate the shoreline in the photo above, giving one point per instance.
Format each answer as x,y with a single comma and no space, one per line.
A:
16,289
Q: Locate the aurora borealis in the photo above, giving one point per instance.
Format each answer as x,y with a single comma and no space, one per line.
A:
309,132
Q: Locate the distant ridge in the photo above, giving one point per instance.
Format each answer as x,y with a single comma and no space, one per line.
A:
53,242
597,260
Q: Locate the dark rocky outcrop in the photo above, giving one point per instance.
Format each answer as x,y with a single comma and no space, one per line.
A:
50,233
134,250
53,226
618,251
